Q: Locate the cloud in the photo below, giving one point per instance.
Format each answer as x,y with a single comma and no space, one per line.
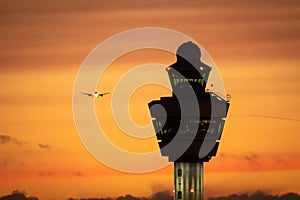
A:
161,195
258,196
251,157
166,195
129,197
78,173
44,146
16,194
254,161
6,160
46,174
5,139
108,198
251,160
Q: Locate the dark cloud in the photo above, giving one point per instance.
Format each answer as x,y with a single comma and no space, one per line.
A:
251,158
4,160
5,139
8,160
78,173
18,195
254,161
93,199
44,146
258,196
129,197
46,173
166,195
161,195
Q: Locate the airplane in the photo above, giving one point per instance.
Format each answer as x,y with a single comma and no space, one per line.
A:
95,94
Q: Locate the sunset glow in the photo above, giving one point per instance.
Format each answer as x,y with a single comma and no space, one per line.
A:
255,46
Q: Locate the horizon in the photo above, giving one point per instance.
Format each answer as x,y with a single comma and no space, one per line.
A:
168,195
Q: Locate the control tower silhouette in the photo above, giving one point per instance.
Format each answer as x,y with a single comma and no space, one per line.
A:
189,123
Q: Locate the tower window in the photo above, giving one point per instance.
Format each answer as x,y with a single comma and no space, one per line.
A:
179,172
179,195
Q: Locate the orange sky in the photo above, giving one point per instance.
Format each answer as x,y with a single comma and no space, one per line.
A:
254,44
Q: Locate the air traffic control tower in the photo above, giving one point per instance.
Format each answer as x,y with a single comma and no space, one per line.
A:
189,123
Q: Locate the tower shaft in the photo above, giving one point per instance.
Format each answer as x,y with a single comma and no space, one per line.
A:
188,180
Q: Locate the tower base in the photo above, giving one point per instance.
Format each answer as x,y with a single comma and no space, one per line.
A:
188,180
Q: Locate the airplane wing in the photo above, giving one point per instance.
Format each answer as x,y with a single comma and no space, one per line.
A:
89,94
102,94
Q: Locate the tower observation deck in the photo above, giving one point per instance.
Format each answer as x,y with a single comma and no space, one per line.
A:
189,123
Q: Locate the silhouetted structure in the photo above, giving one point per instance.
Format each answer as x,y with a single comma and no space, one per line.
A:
185,120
